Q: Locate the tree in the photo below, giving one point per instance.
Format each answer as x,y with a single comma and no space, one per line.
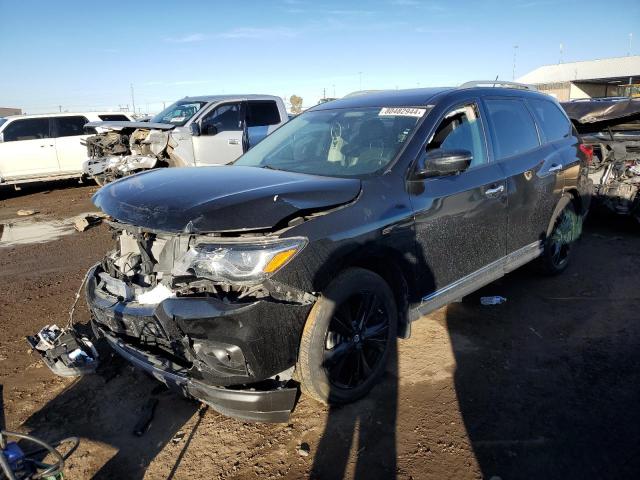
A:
296,104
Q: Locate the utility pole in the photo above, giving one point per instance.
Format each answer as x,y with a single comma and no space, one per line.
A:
334,90
561,53
515,53
133,100
60,108
324,93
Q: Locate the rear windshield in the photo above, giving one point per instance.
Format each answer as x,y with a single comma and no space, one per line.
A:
179,113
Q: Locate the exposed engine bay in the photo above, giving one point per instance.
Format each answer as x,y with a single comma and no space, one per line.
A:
611,127
129,147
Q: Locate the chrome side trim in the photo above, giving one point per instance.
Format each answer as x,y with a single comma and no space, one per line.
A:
475,280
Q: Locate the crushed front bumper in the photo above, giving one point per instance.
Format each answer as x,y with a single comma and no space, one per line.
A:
258,341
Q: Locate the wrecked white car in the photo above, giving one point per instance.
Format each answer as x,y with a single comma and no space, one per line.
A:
194,131
610,128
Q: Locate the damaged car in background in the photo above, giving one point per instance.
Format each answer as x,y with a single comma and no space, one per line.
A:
297,267
194,131
610,127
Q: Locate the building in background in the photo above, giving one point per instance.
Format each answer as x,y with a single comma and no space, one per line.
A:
5,111
607,77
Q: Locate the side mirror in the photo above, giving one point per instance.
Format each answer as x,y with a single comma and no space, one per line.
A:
195,129
438,163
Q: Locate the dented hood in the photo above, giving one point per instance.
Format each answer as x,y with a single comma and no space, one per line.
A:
220,199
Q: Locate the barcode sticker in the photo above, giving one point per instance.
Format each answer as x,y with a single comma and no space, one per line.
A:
402,112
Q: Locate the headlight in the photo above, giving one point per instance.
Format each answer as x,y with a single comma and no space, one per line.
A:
239,262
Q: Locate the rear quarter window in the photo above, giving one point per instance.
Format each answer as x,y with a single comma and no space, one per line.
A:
552,122
512,127
26,129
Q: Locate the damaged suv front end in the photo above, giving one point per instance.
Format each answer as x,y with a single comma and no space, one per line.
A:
611,128
191,299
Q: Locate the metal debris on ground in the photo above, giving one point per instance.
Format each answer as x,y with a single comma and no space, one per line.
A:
304,449
64,351
26,213
87,220
497,300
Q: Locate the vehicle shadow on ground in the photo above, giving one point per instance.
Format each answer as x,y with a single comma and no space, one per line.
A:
9,191
359,439
106,408
548,384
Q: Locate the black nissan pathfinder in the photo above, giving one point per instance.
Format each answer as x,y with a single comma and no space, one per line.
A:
296,267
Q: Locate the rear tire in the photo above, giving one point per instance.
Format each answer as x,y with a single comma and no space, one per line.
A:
558,246
347,338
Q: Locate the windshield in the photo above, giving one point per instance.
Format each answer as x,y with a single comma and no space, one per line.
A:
2,120
179,113
340,142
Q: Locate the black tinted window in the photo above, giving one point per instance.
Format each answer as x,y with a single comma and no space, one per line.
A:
262,113
115,117
553,123
70,126
222,119
27,129
513,129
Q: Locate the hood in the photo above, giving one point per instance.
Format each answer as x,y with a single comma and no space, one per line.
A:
119,125
220,199
603,112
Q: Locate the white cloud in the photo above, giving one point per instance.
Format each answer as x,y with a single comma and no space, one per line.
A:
189,38
249,32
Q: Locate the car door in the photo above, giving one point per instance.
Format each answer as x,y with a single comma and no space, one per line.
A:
460,220
221,135
69,133
27,149
530,167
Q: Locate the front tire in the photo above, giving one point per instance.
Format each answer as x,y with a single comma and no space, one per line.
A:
348,337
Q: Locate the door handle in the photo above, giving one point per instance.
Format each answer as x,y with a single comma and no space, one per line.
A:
494,192
555,168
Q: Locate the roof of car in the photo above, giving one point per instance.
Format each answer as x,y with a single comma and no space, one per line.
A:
420,96
218,98
62,114
385,98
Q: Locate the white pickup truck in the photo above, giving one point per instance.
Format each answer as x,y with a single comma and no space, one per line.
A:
194,131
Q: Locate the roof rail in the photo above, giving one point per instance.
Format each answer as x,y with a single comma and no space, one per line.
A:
497,83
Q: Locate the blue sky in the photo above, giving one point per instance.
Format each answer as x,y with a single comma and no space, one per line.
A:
85,55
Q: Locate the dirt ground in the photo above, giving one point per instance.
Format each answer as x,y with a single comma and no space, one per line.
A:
546,385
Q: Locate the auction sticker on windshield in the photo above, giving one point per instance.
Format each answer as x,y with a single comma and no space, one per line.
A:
402,112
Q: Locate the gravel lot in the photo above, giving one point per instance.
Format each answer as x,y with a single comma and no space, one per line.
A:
544,386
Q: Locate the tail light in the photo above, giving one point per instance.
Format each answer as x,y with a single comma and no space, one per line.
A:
588,151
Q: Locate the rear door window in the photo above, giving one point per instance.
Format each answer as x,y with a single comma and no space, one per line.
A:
552,122
113,117
70,126
262,113
513,129
27,129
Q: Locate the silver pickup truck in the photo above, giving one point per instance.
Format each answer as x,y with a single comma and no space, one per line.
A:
194,131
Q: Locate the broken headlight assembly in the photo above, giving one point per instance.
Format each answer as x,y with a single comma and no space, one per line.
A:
238,262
